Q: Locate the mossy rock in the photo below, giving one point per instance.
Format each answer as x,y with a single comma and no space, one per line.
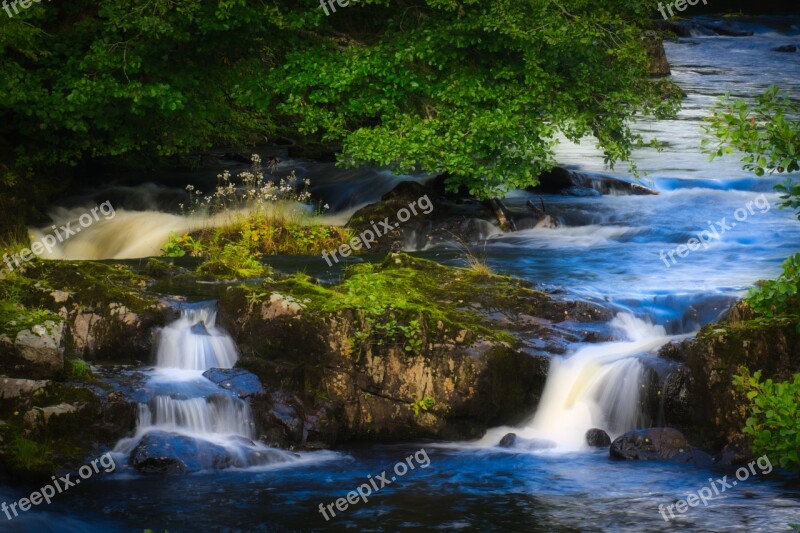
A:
392,334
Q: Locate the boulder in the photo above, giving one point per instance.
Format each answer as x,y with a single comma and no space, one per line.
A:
160,452
41,349
597,438
787,48
14,388
467,364
654,444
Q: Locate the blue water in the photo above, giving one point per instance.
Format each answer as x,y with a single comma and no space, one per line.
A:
468,490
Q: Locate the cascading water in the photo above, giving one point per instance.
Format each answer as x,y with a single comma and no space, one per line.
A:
182,402
599,386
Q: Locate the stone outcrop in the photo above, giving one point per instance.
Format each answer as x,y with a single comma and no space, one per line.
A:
446,362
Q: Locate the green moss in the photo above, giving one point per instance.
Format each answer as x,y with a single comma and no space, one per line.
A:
89,283
406,299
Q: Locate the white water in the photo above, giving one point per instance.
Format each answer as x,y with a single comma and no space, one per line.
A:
598,386
184,402
193,342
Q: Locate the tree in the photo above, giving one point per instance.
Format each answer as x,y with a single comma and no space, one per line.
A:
474,89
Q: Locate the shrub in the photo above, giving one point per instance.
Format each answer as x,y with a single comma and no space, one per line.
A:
774,424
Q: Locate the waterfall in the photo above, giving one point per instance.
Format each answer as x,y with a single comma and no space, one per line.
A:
598,386
193,342
181,401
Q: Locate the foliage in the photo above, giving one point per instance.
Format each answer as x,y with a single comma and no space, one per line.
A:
475,89
423,405
80,369
768,133
30,455
237,259
780,297
14,316
774,424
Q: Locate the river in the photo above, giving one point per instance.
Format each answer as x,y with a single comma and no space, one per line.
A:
612,250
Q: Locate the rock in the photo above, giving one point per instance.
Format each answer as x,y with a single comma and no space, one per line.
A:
14,388
654,444
659,65
562,181
718,410
319,361
512,440
279,305
787,48
737,451
694,457
677,399
42,348
237,380
597,438
170,453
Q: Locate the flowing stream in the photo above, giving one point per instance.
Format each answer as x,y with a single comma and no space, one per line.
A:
182,402
608,249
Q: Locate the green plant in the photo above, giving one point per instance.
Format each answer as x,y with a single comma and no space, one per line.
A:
414,335
80,368
774,424
779,297
767,133
423,405
174,247
30,455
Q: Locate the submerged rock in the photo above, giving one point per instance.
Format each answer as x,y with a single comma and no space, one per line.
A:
654,444
787,48
237,380
512,440
597,438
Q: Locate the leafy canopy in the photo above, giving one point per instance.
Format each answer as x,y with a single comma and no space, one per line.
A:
476,89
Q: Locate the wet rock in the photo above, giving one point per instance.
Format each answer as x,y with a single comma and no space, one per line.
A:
737,451
718,410
169,453
787,48
694,457
677,399
569,182
654,444
512,440
237,380
597,438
